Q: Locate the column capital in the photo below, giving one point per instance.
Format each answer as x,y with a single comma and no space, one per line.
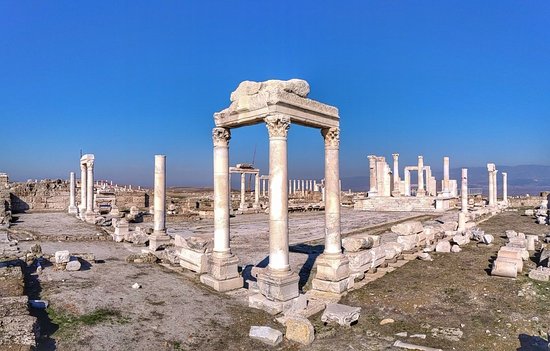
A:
395,156
331,136
420,158
277,125
90,164
221,136
83,167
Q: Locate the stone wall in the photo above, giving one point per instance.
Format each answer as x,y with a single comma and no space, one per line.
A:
402,203
525,201
5,201
49,195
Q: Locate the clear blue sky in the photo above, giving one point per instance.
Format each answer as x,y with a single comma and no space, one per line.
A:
129,79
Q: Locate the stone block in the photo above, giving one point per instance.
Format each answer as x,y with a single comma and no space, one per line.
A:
408,242
222,285
62,256
267,335
407,228
192,260
353,244
539,274
455,248
222,268
278,288
300,330
504,269
443,246
332,267
341,314
329,286
544,259
460,239
73,265
359,261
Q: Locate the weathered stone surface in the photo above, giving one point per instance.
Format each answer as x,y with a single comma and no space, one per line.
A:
18,330
487,239
407,228
62,256
505,269
267,335
354,244
359,261
13,306
541,274
544,259
455,248
443,246
408,242
300,329
529,212
341,314
460,239
424,256
73,265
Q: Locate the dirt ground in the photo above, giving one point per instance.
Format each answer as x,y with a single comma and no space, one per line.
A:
450,297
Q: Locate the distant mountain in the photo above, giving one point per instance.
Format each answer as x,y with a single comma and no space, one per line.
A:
525,179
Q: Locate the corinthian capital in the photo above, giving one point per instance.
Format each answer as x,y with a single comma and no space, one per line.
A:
90,164
277,126
332,136
221,136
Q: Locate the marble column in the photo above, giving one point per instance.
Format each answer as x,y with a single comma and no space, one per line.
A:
256,191
491,196
294,187
242,205
420,191
72,204
315,185
495,187
396,179
446,191
83,191
407,174
464,191
332,266
372,173
223,274
505,188
159,237
303,187
90,215
278,282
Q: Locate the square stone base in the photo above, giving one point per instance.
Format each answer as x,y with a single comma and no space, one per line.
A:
260,302
156,241
223,268
332,267
278,288
90,218
222,285
73,210
332,287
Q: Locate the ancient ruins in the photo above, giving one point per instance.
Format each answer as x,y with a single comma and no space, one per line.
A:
301,251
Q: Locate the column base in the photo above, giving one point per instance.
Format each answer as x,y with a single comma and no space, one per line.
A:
223,273
421,193
395,193
90,217
256,205
338,287
73,210
158,240
277,287
372,193
332,268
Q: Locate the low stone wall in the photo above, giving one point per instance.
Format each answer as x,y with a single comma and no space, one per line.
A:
525,201
50,195
403,203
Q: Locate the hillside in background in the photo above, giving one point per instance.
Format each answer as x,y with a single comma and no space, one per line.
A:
525,179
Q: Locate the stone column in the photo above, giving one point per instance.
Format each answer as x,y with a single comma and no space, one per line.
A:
495,187
505,187
372,172
278,282
294,187
256,191
491,196
420,191
159,237
396,178
83,191
72,205
445,184
223,274
314,185
332,266
428,179
407,182
90,216
303,187
464,191
242,205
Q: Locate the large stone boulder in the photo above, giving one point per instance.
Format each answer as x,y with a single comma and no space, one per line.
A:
407,228
299,329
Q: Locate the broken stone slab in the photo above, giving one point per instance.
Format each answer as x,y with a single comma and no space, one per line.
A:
359,261
341,314
476,234
267,335
193,260
409,346
353,244
62,256
541,274
510,234
299,329
544,259
443,246
529,212
408,242
424,256
407,228
530,242
455,248
542,220
460,239
487,239
517,242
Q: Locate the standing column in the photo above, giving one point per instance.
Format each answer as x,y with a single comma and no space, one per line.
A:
445,186
332,266
420,191
505,187
294,187
223,274
243,206
72,205
464,190
83,191
396,178
491,169
263,187
372,173
303,187
315,185
495,187
278,282
90,216
159,237
256,191
407,182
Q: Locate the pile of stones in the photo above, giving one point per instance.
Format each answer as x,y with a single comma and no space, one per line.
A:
542,271
509,261
540,213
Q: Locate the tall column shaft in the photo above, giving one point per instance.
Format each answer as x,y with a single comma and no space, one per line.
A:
278,194
491,196
256,190
159,202
372,174
332,192
221,137
407,182
90,187
505,187
446,189
420,191
495,187
396,178
243,191
464,191
72,196
83,187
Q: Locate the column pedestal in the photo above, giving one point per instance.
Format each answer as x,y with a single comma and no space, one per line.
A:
333,274
223,273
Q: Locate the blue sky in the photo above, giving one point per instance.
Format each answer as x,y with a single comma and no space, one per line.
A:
127,80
